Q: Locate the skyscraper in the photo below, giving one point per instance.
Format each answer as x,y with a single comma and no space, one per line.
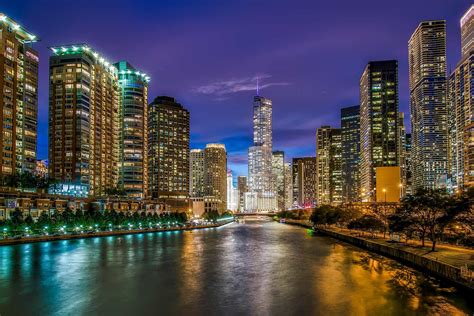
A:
378,122
232,193
260,154
288,186
350,155
328,166
242,188
461,108
428,108
278,166
18,97
196,173
215,171
133,140
84,104
408,164
402,153
304,181
168,153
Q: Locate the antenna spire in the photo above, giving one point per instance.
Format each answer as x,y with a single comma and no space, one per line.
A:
257,85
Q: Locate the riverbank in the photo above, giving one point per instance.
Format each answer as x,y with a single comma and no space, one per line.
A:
12,241
450,263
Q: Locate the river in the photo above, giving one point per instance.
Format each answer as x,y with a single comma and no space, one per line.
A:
257,268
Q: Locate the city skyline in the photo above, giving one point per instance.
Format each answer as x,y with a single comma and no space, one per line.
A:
291,85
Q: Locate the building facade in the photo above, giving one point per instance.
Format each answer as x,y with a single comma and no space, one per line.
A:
350,153
379,138
242,187
19,96
133,140
168,153
461,107
215,173
197,186
288,186
278,167
428,105
328,165
304,182
84,103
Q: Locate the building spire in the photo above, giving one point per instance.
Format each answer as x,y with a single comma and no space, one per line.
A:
257,85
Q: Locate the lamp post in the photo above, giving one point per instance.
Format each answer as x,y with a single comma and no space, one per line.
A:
385,194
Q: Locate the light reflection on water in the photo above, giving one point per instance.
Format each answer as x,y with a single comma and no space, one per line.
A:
257,268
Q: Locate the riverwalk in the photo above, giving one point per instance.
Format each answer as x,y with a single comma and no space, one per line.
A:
449,262
43,238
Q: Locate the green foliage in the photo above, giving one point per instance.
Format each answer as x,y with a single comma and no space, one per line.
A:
367,222
330,215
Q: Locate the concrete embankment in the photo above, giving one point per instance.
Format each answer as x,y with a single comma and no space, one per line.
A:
436,268
26,240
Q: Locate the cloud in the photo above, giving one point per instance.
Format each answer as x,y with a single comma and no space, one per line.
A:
234,85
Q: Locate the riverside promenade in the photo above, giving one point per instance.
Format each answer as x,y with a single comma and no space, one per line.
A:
448,262
34,239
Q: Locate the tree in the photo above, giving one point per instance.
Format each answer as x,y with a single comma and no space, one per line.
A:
367,222
383,211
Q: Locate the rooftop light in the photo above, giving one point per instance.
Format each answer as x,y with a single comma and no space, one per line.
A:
3,18
15,26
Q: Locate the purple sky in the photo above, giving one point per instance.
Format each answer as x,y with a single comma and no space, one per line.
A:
308,54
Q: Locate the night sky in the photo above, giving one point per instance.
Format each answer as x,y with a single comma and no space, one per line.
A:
309,56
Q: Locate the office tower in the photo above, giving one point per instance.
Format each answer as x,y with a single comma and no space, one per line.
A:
402,136
461,107
133,141
19,98
428,108
288,186
215,170
350,138
304,181
328,165
168,153
260,154
469,156
278,166
242,188
408,162
196,173
467,32
84,102
378,122
232,193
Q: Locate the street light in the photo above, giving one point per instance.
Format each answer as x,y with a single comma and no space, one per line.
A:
385,194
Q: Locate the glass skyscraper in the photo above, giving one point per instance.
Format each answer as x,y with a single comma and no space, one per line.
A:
350,153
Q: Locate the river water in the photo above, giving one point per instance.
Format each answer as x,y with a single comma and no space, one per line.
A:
256,268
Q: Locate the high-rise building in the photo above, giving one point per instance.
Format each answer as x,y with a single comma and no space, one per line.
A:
328,165
260,154
469,156
402,136
461,106
215,171
467,32
278,166
260,171
232,193
242,188
350,139
133,140
84,102
408,163
428,105
378,122
168,153
288,186
304,181
19,98
197,186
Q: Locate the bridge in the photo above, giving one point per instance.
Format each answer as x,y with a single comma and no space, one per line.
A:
242,214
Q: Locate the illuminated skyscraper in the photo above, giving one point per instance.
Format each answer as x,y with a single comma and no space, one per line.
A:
18,97
350,155
196,173
304,181
428,105
378,122
168,153
328,166
260,154
133,141
461,108
288,186
232,193
84,102
402,153
242,188
215,171
278,166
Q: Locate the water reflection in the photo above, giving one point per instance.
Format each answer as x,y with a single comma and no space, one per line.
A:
256,268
